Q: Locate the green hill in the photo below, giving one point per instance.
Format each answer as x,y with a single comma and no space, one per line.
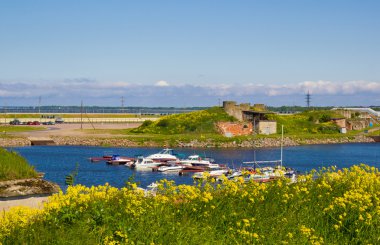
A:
312,122
192,122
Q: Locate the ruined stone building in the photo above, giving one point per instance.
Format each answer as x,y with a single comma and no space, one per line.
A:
252,119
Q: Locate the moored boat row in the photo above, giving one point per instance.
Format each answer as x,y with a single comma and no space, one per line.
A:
167,161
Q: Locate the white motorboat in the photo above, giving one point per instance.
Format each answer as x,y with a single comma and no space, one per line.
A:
212,173
145,163
163,156
173,168
196,160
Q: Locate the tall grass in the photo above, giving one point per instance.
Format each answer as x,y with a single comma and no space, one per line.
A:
13,166
338,207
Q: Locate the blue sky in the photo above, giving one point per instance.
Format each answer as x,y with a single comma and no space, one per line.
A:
189,53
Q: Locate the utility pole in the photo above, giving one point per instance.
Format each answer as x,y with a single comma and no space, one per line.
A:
5,113
39,105
81,115
122,103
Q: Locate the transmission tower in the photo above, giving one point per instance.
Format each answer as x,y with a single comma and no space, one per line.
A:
308,99
122,103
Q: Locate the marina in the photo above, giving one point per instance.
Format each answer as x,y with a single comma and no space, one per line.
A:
58,161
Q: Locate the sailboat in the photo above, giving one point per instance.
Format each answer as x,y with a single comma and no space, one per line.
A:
273,168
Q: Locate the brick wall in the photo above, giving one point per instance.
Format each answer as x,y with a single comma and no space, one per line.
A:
235,129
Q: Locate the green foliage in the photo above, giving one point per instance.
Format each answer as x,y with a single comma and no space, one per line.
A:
192,122
13,166
308,122
70,178
146,123
325,118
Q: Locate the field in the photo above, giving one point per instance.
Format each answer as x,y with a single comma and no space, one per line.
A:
326,207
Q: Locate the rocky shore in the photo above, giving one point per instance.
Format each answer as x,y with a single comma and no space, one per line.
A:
123,142
27,187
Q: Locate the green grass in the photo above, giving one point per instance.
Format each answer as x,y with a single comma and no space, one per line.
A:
19,128
192,122
13,166
309,122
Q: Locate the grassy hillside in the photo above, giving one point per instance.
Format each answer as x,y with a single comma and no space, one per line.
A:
309,122
192,122
13,166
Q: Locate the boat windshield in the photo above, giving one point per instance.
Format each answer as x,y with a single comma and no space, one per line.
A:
166,151
194,157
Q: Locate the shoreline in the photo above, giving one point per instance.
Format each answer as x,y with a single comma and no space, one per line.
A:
123,142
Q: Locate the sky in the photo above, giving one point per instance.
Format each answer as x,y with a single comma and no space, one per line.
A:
189,53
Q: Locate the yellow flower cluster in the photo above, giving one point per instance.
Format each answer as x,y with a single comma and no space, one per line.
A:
19,217
345,202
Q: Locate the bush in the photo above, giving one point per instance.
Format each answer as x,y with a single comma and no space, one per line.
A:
146,123
325,118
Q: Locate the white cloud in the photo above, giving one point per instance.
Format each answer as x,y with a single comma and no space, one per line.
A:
162,83
69,91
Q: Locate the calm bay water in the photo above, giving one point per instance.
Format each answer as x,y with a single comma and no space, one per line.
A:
58,161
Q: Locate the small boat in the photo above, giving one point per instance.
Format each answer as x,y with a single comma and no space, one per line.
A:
171,168
163,156
196,160
145,163
117,160
192,169
103,158
212,174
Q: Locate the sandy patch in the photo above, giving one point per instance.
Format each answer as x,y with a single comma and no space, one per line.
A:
32,202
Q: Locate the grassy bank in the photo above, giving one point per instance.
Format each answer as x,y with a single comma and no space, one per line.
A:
339,207
185,123
13,166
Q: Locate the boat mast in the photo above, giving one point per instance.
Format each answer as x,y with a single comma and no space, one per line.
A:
282,142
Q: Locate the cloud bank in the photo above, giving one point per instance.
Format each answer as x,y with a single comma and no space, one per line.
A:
162,93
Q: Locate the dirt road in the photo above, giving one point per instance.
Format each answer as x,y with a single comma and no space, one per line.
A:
76,129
